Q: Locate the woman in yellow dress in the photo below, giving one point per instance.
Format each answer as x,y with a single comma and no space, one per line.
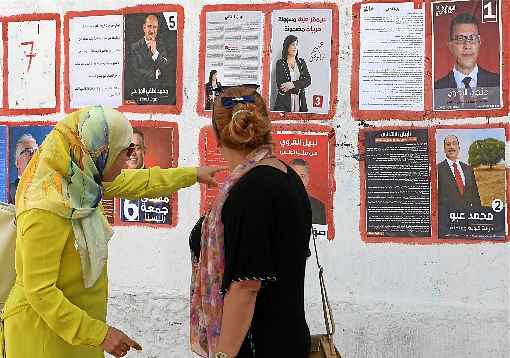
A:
57,307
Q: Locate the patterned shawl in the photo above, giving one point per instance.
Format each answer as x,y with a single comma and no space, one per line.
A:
64,177
207,275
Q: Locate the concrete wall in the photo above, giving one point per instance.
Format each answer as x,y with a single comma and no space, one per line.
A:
390,300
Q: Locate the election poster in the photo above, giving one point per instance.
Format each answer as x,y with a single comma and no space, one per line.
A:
391,57
471,183
211,156
130,59
24,141
467,55
95,61
396,196
309,152
233,51
153,146
434,185
4,145
150,53
300,74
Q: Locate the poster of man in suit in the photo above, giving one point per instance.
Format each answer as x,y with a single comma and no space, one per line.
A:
471,183
153,147
466,54
150,56
307,153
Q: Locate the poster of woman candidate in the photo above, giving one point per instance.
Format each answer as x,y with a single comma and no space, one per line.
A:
150,50
154,146
467,54
300,60
471,183
23,143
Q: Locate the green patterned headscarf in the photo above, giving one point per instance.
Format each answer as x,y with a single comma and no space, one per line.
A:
64,177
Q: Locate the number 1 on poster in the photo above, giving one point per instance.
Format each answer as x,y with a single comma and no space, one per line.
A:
490,11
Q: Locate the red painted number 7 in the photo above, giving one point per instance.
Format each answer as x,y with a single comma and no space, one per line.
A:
31,54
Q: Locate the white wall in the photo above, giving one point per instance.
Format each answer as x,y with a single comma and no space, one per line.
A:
390,300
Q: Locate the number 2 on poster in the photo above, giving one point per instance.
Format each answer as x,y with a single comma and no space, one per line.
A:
498,205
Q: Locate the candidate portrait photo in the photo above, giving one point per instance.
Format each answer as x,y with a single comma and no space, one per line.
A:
466,56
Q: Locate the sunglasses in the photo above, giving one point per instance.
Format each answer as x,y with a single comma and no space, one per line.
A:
130,149
28,151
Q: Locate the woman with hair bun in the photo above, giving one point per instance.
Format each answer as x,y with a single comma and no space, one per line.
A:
250,250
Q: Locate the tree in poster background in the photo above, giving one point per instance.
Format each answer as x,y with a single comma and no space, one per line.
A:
488,151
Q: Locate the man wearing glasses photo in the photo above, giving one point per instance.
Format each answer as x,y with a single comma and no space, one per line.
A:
464,45
25,149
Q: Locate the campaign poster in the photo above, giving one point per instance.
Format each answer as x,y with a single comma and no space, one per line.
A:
301,60
467,54
307,150
150,55
211,156
397,183
308,154
31,62
233,51
471,183
24,141
4,145
391,57
95,60
1,67
154,146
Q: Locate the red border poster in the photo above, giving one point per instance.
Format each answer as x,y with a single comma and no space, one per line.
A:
411,191
414,101
117,71
317,25
160,148
38,57
308,149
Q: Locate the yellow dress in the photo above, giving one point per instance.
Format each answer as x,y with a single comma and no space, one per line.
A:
49,313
